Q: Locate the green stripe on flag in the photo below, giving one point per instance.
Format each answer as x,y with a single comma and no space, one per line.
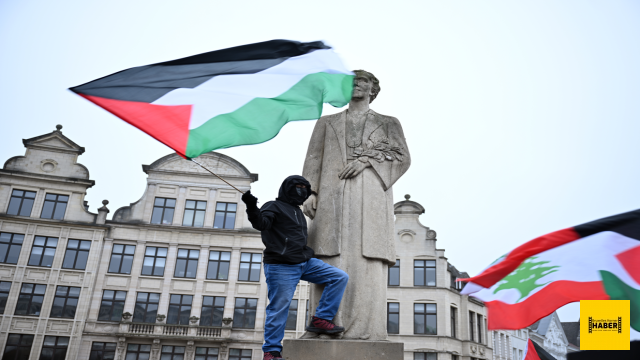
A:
262,118
619,290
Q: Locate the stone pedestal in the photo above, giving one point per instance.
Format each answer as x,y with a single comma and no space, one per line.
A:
322,349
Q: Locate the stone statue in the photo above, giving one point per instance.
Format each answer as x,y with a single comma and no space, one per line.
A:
353,160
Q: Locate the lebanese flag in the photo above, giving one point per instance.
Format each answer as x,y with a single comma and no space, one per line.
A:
536,352
236,96
599,260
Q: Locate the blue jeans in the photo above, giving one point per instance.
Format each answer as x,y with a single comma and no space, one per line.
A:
282,280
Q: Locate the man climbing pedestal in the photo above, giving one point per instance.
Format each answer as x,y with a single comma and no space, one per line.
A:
288,259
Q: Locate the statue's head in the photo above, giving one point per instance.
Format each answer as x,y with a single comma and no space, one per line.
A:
365,83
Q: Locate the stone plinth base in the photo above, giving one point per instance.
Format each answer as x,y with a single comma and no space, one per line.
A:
322,349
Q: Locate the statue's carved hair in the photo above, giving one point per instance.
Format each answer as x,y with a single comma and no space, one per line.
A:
373,79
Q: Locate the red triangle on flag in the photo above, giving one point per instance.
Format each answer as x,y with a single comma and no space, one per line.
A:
530,352
168,124
629,260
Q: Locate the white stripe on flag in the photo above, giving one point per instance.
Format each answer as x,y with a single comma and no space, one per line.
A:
227,93
471,288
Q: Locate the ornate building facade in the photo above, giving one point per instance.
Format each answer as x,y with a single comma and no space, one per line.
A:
50,249
425,309
177,275
548,332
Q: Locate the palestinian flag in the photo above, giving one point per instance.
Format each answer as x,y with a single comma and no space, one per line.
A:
237,96
536,352
599,260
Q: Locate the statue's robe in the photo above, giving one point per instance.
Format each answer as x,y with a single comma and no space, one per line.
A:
353,225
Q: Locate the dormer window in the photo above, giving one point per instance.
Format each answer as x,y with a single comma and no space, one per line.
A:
54,206
163,211
21,202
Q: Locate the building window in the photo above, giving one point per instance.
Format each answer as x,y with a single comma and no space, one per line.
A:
21,202
187,263
306,315
30,299
163,211
5,287
18,347
454,357
10,246
394,274
121,258
43,250
225,215
239,354
292,316
454,322
218,265
519,354
393,318
54,348
203,353
424,273
479,328
425,356
471,326
76,255
424,319
179,309
194,213
112,305
155,259
172,352
244,315
102,351
54,206
250,267
138,352
212,309
65,302
146,308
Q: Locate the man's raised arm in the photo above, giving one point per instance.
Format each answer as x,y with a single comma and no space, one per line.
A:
258,220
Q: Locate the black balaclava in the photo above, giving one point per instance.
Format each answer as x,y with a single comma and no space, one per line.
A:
291,194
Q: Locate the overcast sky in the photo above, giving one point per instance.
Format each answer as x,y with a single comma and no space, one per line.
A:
521,116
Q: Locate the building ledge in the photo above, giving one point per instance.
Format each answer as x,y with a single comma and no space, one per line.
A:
63,179
26,219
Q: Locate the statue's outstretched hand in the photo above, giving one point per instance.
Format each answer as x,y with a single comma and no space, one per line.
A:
309,207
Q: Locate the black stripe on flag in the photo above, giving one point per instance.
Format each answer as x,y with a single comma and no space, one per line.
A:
151,82
627,224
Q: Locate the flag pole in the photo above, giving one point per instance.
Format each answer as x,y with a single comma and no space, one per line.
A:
202,166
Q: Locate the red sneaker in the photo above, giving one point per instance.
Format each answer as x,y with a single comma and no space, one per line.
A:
323,326
272,355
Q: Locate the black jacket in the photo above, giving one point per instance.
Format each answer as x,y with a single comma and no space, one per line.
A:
283,227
